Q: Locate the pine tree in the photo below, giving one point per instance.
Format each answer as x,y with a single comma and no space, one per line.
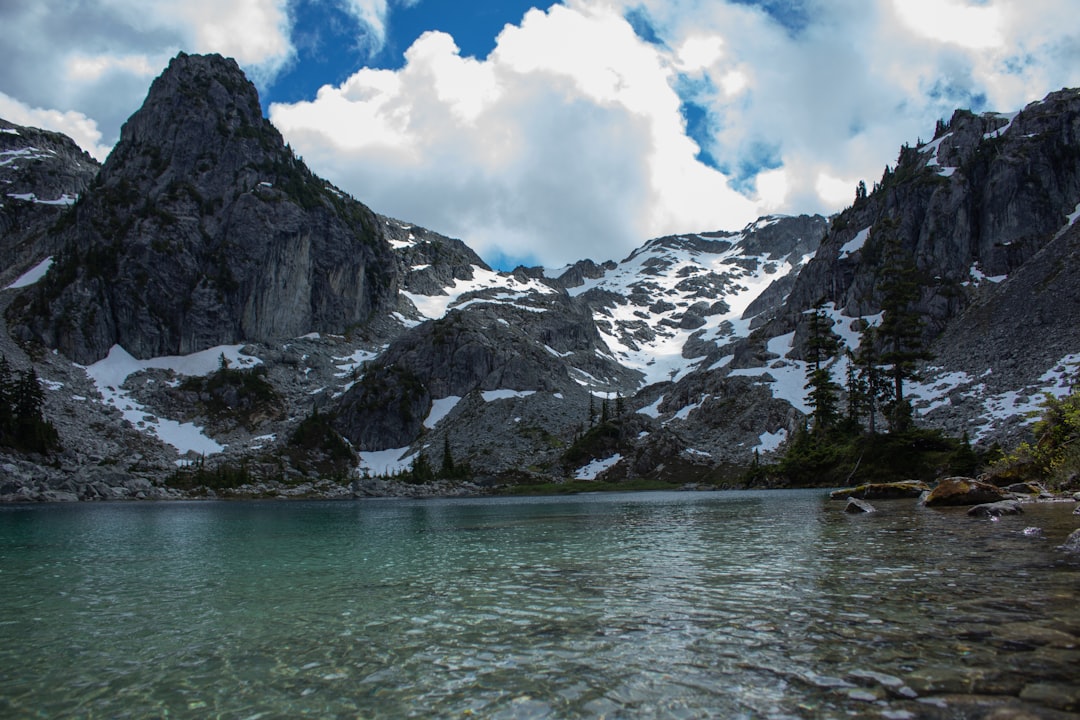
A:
821,347
901,326
7,401
447,469
878,387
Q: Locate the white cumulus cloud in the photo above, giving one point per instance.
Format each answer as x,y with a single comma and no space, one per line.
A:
550,156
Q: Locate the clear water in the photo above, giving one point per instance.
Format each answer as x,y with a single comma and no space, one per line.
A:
682,605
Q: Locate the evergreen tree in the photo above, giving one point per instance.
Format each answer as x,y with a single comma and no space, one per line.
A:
604,415
860,192
900,332
447,469
592,409
421,471
821,347
7,401
876,384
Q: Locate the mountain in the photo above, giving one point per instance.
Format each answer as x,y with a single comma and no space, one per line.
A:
202,228
41,175
209,302
986,212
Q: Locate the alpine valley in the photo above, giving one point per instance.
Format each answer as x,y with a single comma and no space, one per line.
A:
202,306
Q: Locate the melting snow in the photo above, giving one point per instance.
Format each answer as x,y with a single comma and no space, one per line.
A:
439,409
385,462
590,471
855,244
32,275
769,442
1002,130
110,373
436,306
490,395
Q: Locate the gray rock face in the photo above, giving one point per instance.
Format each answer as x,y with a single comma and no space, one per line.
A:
485,347
202,229
42,174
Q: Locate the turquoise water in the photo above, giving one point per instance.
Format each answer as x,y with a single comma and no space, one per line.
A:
728,605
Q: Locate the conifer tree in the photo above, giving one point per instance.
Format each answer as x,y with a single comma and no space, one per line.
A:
821,347
876,384
900,332
7,401
447,469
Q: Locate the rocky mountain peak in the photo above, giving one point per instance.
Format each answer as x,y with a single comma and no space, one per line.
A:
204,229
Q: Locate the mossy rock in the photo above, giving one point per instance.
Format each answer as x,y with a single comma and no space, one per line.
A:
964,491
883,491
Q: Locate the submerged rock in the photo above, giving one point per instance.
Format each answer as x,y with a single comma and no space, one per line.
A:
855,505
964,491
996,509
1072,543
883,491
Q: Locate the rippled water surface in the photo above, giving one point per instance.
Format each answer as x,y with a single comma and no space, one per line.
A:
728,605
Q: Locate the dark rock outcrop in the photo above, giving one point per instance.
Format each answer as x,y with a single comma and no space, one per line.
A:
42,174
203,228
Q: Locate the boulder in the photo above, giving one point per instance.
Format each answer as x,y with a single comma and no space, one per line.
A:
855,505
964,491
883,491
996,509
1025,488
1072,543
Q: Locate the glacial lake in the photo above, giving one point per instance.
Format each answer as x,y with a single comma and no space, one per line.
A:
650,605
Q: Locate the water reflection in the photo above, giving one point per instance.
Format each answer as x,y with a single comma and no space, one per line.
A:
663,605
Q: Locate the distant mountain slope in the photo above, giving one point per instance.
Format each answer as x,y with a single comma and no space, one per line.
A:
981,210
42,174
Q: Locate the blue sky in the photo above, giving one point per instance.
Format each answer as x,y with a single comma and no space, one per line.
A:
549,132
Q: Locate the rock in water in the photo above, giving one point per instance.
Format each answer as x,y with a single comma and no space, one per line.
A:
964,491
1072,543
997,509
855,505
883,491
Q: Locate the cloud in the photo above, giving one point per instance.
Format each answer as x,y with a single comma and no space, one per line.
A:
97,59
533,154
591,126
83,130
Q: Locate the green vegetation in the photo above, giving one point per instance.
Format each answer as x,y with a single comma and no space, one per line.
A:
241,395
23,426
316,447
1053,455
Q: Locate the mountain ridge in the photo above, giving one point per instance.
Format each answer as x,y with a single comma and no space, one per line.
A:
205,235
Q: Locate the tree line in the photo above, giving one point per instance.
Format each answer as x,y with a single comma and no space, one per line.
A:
22,421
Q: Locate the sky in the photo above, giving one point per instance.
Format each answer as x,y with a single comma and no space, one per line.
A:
545,133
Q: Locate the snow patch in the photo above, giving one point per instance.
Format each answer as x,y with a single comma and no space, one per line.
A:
593,469
771,441
855,244
439,409
652,410
32,275
110,373
385,462
491,395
